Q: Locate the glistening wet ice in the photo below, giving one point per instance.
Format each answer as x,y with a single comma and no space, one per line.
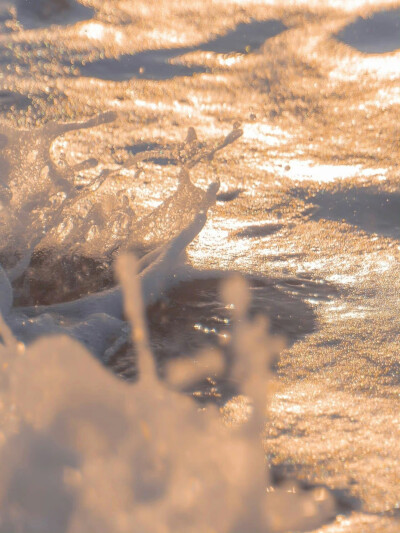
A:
192,316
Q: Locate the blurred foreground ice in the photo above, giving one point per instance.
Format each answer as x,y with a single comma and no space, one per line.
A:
83,451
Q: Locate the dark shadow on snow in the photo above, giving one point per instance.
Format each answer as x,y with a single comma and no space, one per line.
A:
155,65
368,208
9,99
138,148
160,159
345,502
42,13
375,35
149,65
257,230
229,196
245,37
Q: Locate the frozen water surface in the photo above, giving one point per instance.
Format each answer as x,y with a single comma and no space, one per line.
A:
217,141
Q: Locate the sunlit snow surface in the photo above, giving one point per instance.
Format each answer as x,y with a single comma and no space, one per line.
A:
96,101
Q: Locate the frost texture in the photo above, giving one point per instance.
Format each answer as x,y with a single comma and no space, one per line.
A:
102,455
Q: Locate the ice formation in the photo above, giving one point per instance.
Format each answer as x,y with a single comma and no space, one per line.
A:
41,207
47,212
34,190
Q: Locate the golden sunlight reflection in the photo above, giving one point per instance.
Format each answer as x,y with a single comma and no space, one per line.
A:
242,374
321,173
382,68
99,32
266,134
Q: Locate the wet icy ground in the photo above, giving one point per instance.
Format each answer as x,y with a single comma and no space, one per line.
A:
308,205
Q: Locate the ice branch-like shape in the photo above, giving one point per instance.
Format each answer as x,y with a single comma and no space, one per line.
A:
155,272
189,153
55,129
127,272
66,215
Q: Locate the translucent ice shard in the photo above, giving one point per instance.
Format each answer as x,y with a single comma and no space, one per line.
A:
34,189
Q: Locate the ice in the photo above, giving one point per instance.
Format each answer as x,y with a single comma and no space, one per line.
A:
35,189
